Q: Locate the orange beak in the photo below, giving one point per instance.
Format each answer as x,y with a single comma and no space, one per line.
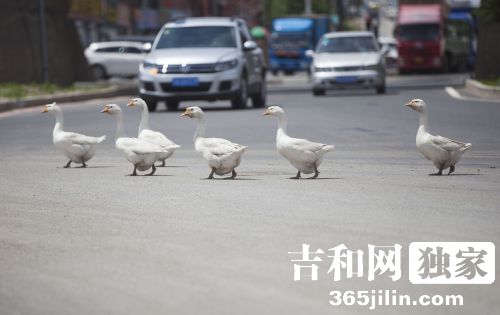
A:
131,104
45,109
106,109
186,113
266,113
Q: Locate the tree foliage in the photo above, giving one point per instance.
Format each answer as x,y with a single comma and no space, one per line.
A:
489,11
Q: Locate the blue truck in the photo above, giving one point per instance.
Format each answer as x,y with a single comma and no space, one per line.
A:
291,37
462,21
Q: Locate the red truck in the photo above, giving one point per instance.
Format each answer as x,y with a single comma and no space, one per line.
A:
420,37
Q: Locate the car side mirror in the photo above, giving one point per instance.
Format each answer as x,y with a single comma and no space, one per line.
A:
249,45
309,53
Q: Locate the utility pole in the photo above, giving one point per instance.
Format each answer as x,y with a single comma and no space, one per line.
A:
43,42
307,7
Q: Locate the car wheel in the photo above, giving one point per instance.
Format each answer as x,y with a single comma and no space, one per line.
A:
380,88
151,102
259,98
318,92
240,100
99,72
172,105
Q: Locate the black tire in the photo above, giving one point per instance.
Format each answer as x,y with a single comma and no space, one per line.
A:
151,102
318,92
259,98
241,97
380,89
172,104
289,72
99,72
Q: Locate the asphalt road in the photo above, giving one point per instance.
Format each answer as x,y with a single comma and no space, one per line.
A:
96,241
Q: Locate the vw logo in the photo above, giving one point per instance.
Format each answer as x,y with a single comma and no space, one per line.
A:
185,68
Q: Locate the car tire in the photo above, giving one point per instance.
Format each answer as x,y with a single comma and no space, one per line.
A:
319,92
240,99
172,104
151,102
380,88
259,98
99,72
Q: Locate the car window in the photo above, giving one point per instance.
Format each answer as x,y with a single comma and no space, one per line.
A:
197,37
347,44
131,50
108,49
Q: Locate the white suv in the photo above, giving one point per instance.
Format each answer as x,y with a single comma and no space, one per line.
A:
203,59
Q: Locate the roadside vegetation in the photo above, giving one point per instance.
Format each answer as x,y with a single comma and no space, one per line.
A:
19,91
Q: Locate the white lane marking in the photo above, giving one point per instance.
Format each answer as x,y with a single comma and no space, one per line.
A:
454,94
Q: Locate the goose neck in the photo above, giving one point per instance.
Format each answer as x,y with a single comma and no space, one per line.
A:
282,124
200,128
119,125
59,121
144,119
424,121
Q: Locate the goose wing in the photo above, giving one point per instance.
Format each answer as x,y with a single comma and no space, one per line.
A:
220,147
304,145
77,138
448,144
157,138
138,146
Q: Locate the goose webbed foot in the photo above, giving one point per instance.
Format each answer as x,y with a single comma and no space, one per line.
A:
152,171
67,165
211,176
134,173
316,173
438,173
233,175
452,169
296,176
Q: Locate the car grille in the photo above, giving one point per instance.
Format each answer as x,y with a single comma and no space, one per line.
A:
350,68
189,68
202,87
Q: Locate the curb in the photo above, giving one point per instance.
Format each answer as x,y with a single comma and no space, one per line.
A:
67,97
476,88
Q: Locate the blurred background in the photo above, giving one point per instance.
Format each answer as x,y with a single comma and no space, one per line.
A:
43,41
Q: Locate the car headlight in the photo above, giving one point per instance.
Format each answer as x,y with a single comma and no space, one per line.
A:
226,65
150,68
372,67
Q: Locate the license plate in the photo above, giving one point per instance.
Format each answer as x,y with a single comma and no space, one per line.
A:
346,80
419,60
185,82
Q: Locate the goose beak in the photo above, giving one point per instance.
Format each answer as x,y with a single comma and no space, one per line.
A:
131,104
106,110
45,109
266,113
186,113
410,104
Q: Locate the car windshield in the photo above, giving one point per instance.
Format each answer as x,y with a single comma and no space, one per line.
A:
197,37
286,40
347,44
419,32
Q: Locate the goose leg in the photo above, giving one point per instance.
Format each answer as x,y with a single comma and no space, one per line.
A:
162,164
438,173
67,165
296,176
452,169
83,165
233,175
134,173
211,176
316,173
152,171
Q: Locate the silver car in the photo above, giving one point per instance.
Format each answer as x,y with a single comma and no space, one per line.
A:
203,59
347,59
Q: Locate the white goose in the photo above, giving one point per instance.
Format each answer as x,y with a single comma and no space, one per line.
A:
77,147
145,133
304,155
140,153
443,152
223,156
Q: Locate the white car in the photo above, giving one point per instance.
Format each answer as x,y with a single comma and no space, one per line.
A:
108,59
347,59
206,58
